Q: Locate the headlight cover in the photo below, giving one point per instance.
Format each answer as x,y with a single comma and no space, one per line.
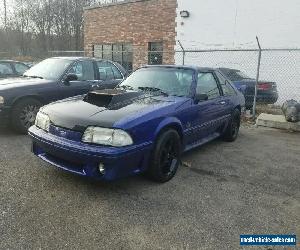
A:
1,100
42,121
107,136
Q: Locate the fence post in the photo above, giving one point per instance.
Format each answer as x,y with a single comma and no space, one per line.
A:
183,52
93,50
257,78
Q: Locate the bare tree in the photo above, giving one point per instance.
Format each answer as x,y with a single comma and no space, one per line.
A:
5,15
37,26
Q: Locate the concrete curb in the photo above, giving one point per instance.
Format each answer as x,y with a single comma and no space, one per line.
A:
276,121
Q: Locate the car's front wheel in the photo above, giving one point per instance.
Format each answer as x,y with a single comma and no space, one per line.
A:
24,113
165,157
233,127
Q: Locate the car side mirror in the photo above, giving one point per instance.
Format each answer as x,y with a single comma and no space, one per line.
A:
200,98
70,77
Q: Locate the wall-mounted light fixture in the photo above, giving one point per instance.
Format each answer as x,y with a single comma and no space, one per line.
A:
184,14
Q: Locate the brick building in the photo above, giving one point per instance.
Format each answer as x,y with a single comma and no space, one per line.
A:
126,31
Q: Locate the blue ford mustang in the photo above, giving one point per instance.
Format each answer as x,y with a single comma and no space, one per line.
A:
143,125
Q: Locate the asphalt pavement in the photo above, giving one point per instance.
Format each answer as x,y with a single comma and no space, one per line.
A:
251,186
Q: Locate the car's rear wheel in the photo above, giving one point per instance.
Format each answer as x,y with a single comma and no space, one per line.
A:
165,157
233,127
24,113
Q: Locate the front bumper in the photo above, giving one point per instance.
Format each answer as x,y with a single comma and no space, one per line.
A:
84,159
4,116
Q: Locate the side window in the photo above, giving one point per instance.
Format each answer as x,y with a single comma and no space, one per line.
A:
84,70
20,68
5,69
108,71
226,87
207,84
117,74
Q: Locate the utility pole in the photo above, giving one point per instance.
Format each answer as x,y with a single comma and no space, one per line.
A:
257,77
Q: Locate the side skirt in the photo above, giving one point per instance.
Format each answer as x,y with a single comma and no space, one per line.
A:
202,141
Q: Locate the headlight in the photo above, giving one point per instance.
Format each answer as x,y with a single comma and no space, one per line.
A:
1,100
106,136
42,121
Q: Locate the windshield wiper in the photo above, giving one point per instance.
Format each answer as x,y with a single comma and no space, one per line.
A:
153,89
34,76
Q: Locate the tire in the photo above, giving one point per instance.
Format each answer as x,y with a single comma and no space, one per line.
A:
165,158
233,127
24,113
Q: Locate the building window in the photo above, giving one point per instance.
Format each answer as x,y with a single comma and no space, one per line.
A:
155,54
119,52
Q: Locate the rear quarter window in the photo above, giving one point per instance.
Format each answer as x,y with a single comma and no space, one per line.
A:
227,89
21,68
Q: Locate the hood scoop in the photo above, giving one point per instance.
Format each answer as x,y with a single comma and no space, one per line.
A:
111,98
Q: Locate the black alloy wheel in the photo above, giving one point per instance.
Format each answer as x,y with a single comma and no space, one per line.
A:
165,157
232,130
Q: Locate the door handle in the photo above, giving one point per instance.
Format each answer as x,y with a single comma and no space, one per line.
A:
222,102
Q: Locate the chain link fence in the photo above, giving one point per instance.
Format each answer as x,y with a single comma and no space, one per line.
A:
279,72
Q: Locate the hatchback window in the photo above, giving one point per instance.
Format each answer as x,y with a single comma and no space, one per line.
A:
235,75
5,69
207,84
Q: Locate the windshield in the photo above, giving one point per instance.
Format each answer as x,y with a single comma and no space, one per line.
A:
170,81
49,69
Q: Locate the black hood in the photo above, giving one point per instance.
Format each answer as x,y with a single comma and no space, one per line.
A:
112,98
104,108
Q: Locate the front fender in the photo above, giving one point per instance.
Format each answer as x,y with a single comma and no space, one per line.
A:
22,97
172,122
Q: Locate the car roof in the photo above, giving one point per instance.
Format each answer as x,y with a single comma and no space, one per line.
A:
193,67
10,61
74,58
228,69
69,57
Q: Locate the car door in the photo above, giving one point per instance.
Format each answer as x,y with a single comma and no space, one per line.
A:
207,113
109,76
86,79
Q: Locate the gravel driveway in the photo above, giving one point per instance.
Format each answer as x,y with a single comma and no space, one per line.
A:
249,186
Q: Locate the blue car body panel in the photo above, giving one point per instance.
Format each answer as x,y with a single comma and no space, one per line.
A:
84,159
143,120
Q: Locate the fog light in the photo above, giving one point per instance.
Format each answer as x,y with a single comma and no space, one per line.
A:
101,168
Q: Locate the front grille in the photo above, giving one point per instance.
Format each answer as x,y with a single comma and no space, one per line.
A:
65,133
